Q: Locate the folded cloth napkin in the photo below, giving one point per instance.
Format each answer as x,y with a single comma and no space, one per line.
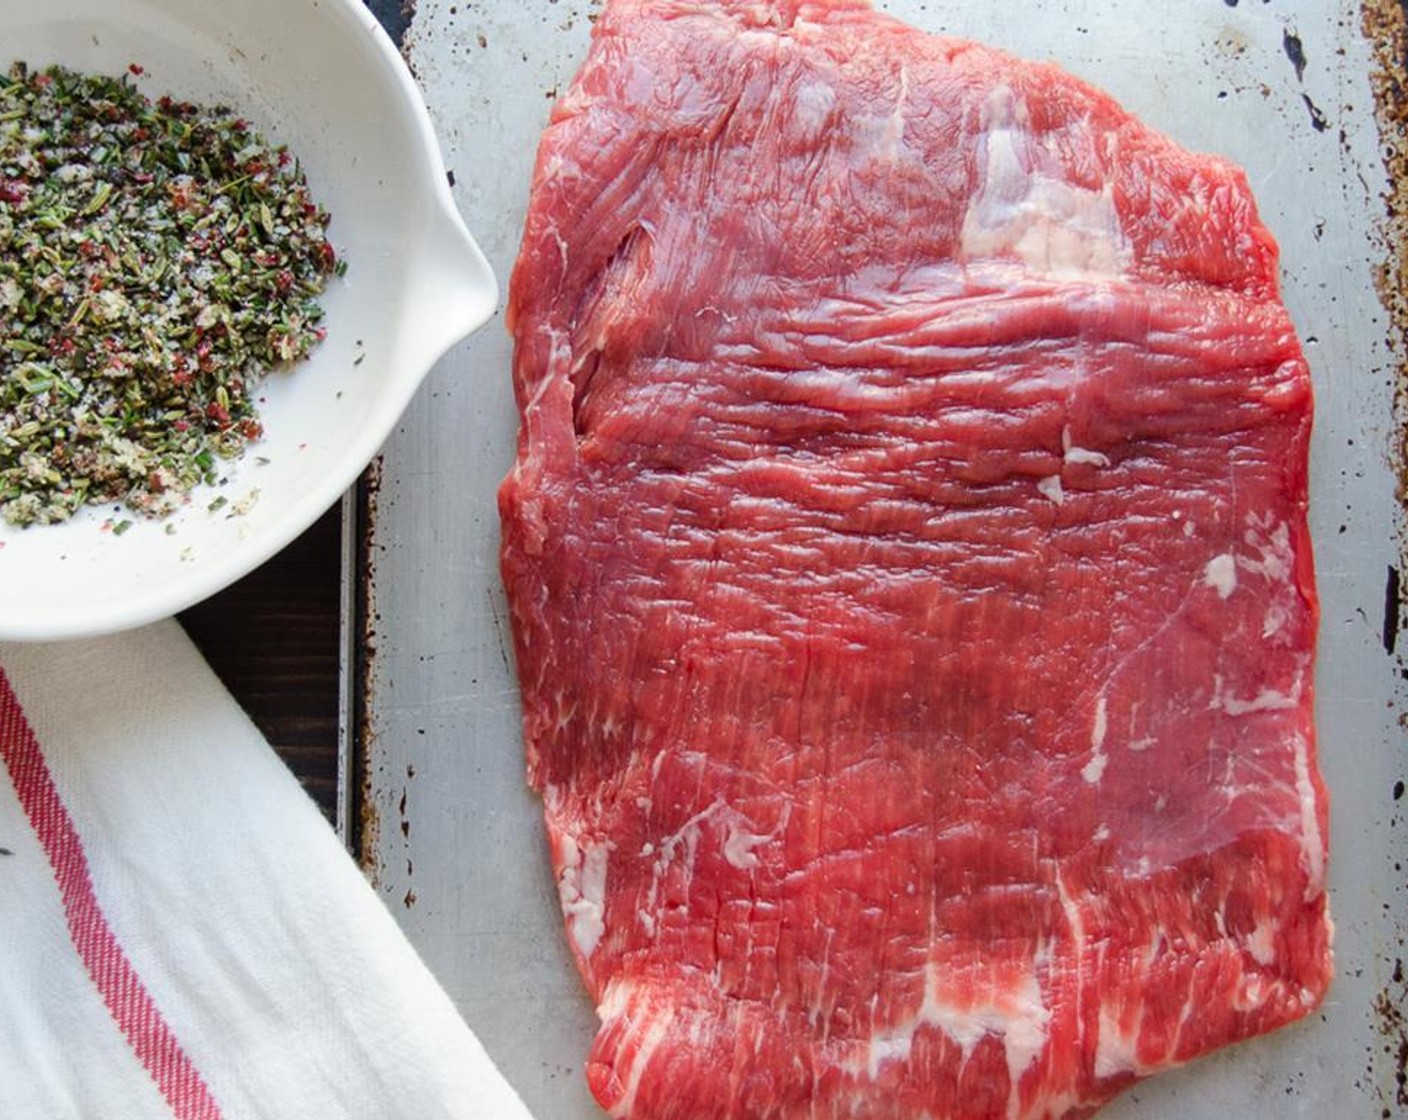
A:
183,935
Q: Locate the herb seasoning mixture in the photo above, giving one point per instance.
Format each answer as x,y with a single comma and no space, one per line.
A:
157,259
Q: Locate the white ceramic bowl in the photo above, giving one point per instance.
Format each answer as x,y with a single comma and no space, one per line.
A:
322,77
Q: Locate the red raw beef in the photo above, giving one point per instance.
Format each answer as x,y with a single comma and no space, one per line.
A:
913,601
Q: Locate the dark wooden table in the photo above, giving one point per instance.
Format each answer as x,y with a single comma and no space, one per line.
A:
274,637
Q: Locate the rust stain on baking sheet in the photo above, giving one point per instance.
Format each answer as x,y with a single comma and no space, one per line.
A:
1393,609
1385,26
367,819
1393,1026
1295,51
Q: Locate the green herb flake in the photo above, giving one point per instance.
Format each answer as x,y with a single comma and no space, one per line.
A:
157,259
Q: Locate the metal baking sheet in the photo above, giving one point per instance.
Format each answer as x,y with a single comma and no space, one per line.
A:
451,835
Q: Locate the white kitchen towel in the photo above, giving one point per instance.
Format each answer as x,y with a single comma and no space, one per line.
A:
181,934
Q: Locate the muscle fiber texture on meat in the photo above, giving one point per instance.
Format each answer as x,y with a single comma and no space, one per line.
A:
912,596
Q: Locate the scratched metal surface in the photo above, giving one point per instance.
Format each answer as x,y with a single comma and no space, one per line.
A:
452,836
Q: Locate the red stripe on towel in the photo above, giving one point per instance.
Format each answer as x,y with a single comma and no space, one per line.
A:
136,1014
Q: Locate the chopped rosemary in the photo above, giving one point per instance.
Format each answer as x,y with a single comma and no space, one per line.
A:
157,259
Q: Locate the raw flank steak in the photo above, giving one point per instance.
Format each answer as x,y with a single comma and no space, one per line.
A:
913,601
